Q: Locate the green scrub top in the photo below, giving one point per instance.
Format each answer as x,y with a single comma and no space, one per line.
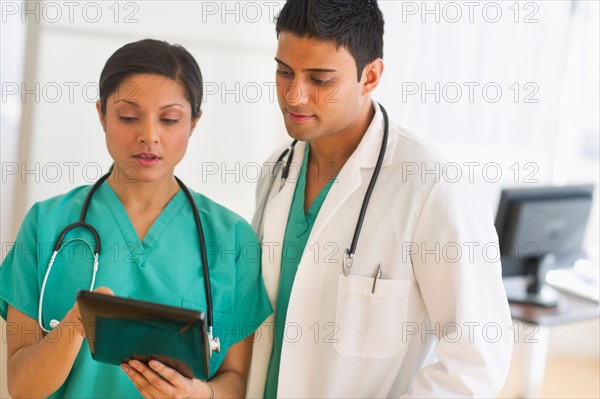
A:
298,230
165,267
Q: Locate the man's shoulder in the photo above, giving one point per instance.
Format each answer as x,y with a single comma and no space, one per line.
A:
411,147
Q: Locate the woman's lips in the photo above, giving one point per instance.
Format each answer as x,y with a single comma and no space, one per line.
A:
146,159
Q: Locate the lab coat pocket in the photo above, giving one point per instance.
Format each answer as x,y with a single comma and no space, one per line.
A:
370,323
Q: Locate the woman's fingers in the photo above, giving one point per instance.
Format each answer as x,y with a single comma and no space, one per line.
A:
104,290
158,380
135,371
171,375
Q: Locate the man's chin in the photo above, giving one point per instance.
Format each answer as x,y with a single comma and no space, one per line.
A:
299,133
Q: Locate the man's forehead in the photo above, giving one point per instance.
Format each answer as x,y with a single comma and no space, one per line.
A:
303,49
291,39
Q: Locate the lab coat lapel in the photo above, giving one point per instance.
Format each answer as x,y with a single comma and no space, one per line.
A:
274,225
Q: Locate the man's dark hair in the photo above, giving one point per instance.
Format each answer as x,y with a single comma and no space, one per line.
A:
356,25
154,57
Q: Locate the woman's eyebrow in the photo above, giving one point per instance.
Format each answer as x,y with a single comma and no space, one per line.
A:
130,102
135,104
171,105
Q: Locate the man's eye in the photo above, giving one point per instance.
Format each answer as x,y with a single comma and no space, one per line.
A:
320,82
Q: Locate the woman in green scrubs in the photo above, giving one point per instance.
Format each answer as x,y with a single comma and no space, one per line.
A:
150,96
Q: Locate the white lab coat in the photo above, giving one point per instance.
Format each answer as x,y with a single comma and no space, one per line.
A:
438,324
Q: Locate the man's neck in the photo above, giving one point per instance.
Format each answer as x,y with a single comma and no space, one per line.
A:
334,150
329,154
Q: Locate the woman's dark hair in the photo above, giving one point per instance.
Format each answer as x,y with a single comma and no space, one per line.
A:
155,57
356,25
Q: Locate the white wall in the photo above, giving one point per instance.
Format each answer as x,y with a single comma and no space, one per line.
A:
236,61
549,49
12,39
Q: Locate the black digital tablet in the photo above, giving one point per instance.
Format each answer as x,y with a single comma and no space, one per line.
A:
120,329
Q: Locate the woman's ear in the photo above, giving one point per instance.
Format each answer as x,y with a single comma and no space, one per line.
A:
101,115
195,122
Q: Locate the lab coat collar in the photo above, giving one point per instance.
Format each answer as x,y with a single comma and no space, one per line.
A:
370,145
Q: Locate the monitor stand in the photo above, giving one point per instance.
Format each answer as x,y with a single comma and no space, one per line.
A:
536,292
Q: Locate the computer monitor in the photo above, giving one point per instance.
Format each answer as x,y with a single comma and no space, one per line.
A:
540,229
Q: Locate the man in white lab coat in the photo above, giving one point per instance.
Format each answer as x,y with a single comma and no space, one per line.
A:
422,311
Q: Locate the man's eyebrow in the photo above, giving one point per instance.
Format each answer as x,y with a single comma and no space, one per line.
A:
307,69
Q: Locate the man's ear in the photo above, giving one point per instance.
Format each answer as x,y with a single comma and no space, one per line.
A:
101,116
371,76
195,122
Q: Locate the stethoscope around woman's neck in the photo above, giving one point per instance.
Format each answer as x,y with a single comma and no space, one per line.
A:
285,170
58,245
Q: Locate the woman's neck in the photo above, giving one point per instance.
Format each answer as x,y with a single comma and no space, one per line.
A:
139,196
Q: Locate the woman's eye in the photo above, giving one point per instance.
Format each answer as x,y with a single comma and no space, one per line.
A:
127,119
284,74
170,121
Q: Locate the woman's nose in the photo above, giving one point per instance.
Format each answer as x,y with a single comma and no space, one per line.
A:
149,133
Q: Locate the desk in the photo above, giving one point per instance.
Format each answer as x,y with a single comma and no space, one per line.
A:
570,309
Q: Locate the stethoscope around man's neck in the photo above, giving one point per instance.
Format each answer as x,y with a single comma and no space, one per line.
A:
285,170
214,342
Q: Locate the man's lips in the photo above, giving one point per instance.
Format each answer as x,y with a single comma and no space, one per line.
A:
297,117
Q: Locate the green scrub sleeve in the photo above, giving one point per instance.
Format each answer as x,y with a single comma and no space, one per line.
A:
19,286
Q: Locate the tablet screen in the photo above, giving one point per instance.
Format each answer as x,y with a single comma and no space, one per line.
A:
119,329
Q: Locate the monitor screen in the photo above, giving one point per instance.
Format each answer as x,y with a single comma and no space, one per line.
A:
534,224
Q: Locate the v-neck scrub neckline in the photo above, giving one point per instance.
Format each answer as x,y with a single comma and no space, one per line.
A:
140,250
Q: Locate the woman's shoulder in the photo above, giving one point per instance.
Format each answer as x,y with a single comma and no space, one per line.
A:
222,217
71,199
57,210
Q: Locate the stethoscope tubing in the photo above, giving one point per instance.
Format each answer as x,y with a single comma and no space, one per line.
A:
200,231
349,252
97,248
363,209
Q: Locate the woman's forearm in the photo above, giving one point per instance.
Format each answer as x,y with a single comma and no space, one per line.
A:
228,384
40,368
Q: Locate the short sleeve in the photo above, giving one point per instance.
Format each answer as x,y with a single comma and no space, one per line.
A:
19,286
252,305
